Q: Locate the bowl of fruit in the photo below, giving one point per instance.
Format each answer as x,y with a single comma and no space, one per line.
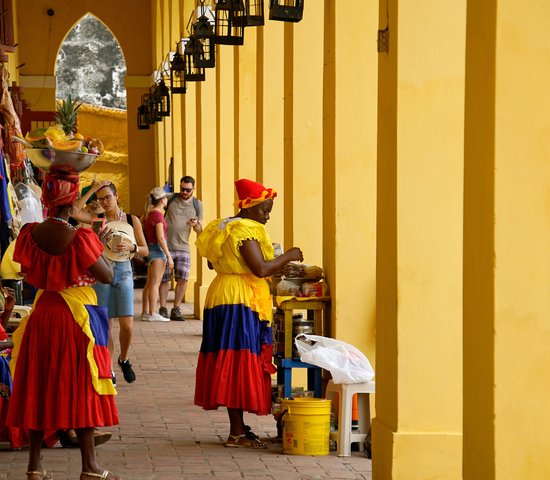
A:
53,151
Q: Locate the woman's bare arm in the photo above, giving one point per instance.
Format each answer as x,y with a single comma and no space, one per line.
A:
259,266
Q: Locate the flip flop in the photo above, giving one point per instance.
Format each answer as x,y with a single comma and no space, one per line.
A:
244,441
101,476
43,474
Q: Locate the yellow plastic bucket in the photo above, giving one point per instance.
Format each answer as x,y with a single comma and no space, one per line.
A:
306,426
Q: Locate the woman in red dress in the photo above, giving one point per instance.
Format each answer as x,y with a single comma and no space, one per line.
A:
60,362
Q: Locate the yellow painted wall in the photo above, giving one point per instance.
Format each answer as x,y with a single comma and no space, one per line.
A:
109,125
507,238
417,432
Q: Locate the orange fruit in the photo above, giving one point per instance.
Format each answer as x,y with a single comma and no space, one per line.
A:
67,145
78,136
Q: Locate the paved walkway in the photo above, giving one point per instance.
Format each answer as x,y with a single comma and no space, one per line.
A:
163,436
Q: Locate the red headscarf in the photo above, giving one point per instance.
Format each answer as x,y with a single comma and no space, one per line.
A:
58,190
252,193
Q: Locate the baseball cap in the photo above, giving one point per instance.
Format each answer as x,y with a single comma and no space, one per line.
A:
158,193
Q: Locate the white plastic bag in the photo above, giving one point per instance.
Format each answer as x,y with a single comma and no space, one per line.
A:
346,363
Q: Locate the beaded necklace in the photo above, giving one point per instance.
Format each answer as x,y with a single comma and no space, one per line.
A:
63,221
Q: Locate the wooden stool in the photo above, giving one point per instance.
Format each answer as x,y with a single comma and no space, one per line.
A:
345,436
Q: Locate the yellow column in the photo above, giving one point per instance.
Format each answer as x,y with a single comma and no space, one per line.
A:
417,431
506,240
271,77
350,113
245,83
304,165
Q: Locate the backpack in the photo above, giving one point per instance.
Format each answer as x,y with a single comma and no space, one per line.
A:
176,195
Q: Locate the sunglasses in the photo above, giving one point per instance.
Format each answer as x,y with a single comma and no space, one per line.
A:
187,190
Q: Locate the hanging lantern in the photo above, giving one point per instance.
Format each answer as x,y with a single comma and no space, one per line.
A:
162,93
286,10
177,75
192,72
253,14
229,22
142,119
153,107
205,47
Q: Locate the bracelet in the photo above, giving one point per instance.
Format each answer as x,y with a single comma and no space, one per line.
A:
135,249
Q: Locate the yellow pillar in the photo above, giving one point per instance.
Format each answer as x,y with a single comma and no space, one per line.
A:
349,136
506,240
417,432
271,78
304,165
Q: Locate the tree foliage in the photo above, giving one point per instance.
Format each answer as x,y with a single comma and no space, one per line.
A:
90,65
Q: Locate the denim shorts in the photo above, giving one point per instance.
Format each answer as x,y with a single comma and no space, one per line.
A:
118,296
155,252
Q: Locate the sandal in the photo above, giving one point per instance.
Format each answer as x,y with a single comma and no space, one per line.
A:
101,476
251,440
43,474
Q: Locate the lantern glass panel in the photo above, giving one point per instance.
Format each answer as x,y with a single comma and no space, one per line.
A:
163,97
286,10
177,74
253,14
229,26
142,121
193,73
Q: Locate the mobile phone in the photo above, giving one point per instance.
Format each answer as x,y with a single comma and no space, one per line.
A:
116,241
98,224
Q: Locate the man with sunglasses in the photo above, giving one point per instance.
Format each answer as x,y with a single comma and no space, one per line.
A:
184,213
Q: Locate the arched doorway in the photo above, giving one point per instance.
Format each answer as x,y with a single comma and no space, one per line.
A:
91,68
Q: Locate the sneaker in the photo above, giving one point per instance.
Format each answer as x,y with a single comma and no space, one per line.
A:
144,317
113,378
176,314
127,370
164,312
155,317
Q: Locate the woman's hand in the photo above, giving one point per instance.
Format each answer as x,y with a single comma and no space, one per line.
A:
170,262
294,254
99,185
105,234
9,295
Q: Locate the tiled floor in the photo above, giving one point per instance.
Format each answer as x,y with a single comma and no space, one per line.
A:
163,436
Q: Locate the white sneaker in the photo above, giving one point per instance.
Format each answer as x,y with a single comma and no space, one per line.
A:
145,317
155,317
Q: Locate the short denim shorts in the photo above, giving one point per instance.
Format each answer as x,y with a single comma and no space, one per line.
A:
118,296
155,252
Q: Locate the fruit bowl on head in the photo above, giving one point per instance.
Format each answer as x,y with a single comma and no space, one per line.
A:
60,161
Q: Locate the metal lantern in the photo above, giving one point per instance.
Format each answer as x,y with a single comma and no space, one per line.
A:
142,122
193,73
177,74
253,13
286,10
162,93
229,22
153,107
205,47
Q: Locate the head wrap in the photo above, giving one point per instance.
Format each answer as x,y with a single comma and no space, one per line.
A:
59,190
252,193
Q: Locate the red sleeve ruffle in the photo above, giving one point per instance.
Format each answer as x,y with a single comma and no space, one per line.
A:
56,272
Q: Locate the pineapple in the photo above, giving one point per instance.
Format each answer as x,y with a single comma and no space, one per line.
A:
66,114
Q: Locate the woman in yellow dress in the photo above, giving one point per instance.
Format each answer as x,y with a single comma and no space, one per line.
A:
235,362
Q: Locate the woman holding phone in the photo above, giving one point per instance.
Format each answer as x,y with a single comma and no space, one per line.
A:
117,296
159,255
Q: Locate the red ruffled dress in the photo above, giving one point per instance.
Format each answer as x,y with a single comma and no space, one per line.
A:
55,383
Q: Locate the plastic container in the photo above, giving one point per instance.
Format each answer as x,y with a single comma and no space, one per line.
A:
306,426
